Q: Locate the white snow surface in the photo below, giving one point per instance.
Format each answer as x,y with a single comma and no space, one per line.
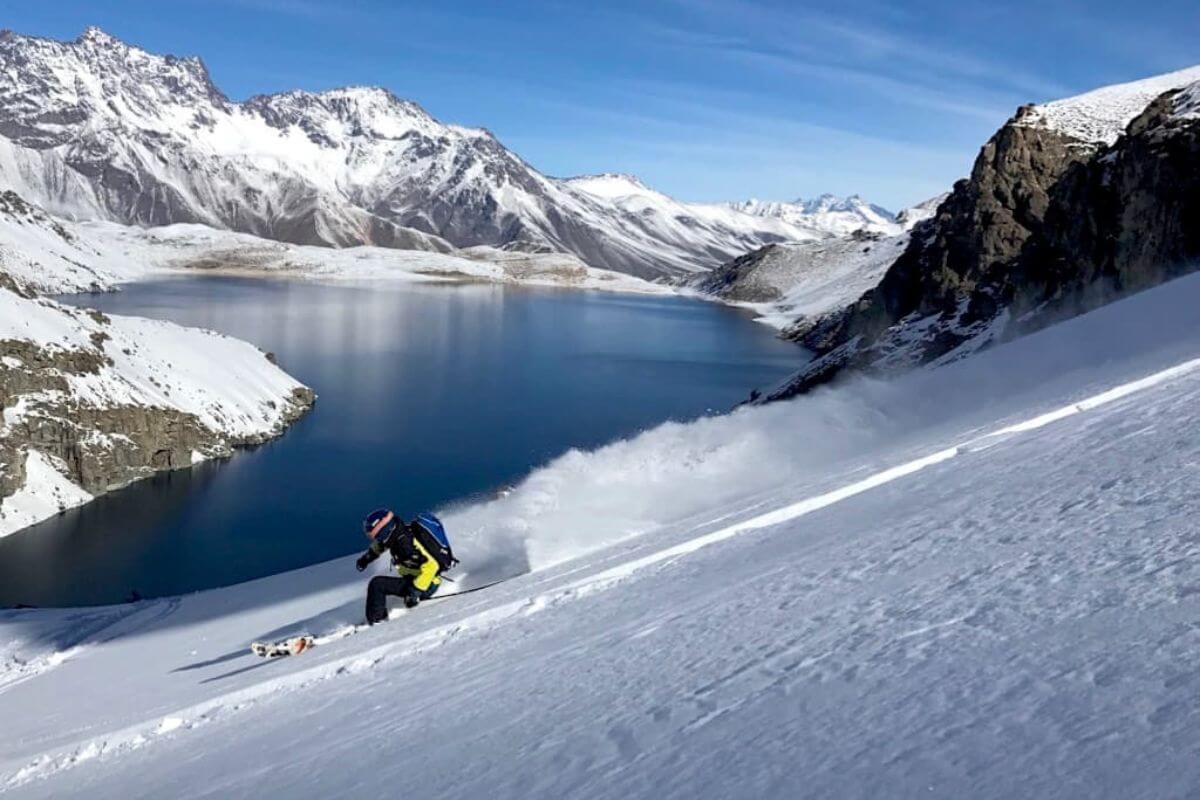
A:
191,248
46,492
229,385
975,581
1187,102
1100,116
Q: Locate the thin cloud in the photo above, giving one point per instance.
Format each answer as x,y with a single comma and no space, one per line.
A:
703,128
825,40
311,9
891,89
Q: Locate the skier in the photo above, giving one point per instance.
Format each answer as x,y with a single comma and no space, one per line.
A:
420,553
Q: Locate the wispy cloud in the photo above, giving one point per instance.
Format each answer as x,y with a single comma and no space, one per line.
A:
894,90
836,48
695,125
312,9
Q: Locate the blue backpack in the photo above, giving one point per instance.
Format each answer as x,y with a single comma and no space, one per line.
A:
434,539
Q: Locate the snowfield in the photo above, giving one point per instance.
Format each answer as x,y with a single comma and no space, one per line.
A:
59,256
974,581
192,248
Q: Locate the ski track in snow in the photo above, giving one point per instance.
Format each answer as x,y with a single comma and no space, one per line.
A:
486,620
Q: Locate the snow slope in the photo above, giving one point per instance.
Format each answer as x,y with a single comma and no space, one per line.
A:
1187,103
973,581
909,217
1100,116
806,279
47,254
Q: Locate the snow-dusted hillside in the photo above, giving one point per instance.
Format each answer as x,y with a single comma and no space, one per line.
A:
191,248
96,128
977,581
92,402
45,254
793,283
787,284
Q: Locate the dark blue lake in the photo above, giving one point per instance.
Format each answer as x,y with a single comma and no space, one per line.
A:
428,394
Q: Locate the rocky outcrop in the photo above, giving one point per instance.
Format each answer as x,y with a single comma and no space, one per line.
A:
1124,221
1047,226
90,396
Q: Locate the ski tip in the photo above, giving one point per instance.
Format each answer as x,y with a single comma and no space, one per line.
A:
287,647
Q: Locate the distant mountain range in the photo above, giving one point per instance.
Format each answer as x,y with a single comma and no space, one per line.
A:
838,215
97,128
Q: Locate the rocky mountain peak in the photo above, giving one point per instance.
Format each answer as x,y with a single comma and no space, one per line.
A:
51,89
96,37
333,116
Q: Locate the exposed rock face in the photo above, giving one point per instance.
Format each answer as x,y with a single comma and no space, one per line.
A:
102,448
1047,226
1124,221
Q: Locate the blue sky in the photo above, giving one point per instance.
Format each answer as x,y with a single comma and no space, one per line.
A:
704,99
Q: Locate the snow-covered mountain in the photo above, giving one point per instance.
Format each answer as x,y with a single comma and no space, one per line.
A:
96,128
828,214
978,581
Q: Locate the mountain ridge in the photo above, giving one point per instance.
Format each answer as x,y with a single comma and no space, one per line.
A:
99,128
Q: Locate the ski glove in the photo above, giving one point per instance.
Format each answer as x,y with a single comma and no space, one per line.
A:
362,562
411,599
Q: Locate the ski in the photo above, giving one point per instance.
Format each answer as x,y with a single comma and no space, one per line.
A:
286,647
298,644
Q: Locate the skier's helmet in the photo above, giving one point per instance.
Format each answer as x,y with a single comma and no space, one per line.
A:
379,524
